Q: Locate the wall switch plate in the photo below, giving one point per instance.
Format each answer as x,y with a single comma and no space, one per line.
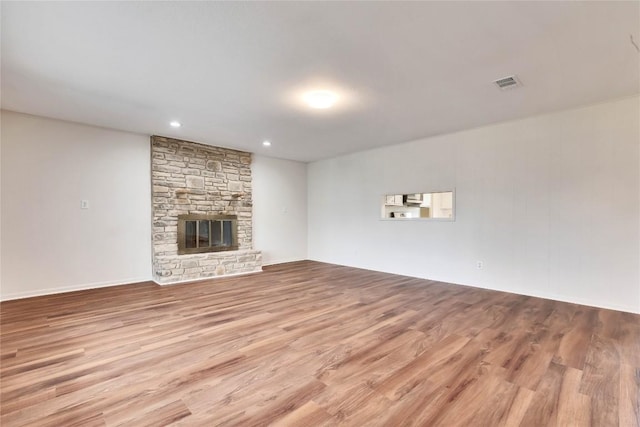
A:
84,204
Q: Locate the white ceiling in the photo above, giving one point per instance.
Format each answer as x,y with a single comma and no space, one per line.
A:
232,71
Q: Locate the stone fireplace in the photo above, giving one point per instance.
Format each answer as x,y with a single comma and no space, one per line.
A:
202,211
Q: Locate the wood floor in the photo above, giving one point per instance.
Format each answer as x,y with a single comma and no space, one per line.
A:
313,344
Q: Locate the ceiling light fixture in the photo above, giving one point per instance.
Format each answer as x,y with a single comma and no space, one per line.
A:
175,124
266,143
320,99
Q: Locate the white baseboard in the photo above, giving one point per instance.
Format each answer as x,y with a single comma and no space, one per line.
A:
61,290
535,294
283,261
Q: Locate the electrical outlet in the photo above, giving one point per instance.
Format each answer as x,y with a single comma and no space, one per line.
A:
480,265
84,204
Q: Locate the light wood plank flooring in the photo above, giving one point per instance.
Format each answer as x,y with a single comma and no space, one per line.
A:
314,344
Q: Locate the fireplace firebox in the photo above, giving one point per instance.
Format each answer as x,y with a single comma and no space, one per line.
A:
207,233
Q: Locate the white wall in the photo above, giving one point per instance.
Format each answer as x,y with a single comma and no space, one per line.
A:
0,207
549,204
279,209
48,243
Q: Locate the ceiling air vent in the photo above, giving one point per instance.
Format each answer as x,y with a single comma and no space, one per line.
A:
509,82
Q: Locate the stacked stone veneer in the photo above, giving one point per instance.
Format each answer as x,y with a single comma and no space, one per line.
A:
191,178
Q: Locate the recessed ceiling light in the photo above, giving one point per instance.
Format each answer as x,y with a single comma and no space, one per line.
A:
320,99
266,143
175,124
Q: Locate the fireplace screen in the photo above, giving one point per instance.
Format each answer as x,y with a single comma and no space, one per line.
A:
207,233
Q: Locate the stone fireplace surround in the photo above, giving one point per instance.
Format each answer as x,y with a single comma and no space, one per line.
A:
192,178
